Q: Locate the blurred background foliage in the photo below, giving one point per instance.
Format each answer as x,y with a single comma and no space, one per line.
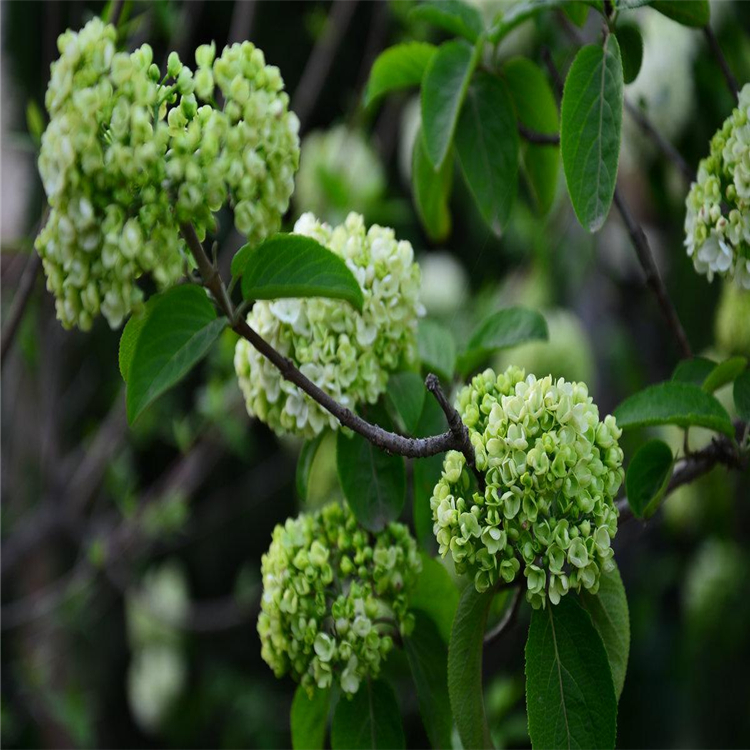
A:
130,558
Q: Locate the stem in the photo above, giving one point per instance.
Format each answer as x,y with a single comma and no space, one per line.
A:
713,43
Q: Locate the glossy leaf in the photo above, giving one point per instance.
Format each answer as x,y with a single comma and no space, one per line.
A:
292,265
695,13
431,191
487,148
436,595
631,47
437,348
516,14
130,334
407,392
648,476
694,370
570,696
309,718
453,16
305,463
741,393
725,372
590,130
398,67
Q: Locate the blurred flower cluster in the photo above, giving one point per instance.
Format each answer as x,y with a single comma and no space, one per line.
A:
552,470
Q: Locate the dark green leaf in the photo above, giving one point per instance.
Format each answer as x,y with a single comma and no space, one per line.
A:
695,13
631,46
465,667
725,372
648,476
431,191
570,696
130,335
370,719
741,394
455,17
240,260
503,329
535,108
373,482
305,463
176,334
590,130
609,613
309,718
577,12
398,67
406,391
291,265
444,87
437,348
436,595
517,14
683,404
428,659
487,147
694,370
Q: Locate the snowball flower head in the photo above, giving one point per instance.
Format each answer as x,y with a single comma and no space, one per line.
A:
551,469
717,224
350,355
334,596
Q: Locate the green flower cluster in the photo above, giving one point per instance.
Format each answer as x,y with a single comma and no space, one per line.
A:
551,470
129,154
334,597
348,354
717,224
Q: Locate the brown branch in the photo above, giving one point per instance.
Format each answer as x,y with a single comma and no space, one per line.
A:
20,300
713,43
241,23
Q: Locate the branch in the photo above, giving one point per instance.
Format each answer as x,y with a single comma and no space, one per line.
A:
713,43
20,300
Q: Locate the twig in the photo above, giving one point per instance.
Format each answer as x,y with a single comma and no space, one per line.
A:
508,620
241,23
20,300
713,43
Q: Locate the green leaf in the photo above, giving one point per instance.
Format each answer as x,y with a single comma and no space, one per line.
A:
309,718
577,12
431,191
457,18
590,130
444,87
465,667
291,265
130,334
648,476
239,261
175,336
683,404
370,719
695,13
609,614
535,108
406,391
305,463
503,329
741,393
694,370
398,67
570,696
487,147
436,595
517,14
437,348
631,46
428,659
373,482
725,372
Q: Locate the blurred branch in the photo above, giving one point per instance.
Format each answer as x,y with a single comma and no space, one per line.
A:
20,300
713,43
241,23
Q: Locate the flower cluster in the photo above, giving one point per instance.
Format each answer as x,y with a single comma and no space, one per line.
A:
334,597
551,470
129,154
717,224
348,354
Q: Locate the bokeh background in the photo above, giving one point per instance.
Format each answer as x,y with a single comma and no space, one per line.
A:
131,557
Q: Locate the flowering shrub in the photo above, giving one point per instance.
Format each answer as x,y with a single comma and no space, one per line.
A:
334,597
348,354
717,223
551,469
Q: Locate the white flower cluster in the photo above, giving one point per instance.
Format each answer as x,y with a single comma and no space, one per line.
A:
124,145
346,353
551,470
717,224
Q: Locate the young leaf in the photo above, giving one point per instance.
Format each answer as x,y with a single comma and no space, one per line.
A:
695,13
741,393
465,668
291,265
648,476
443,91
407,391
487,147
176,334
398,67
453,16
309,718
609,614
428,660
570,696
431,191
373,482
631,46
305,462
536,109
371,719
503,329
694,370
683,404
437,348
590,130
725,372
436,595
